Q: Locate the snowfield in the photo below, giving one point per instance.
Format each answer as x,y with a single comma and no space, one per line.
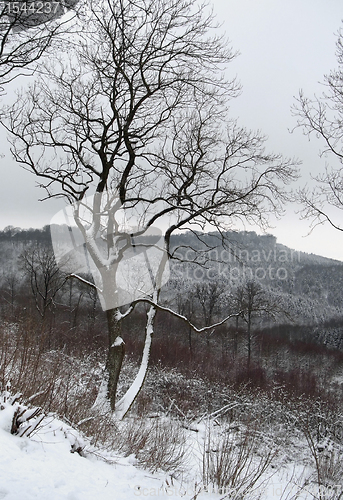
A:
57,463
43,467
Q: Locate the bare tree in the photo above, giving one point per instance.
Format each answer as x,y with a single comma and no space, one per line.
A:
322,117
28,29
209,295
185,306
237,303
10,288
252,300
45,278
138,116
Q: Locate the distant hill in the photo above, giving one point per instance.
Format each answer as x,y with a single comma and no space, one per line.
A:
235,256
309,286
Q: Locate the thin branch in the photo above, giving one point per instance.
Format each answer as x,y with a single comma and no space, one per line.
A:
121,316
82,280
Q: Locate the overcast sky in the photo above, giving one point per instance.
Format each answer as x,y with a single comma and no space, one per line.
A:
284,46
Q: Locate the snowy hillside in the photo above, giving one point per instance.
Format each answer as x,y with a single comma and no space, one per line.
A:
210,423
43,467
57,463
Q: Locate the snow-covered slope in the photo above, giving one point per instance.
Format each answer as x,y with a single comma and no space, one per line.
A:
43,467
57,463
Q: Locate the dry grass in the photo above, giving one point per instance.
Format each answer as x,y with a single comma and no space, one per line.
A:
156,444
235,463
68,386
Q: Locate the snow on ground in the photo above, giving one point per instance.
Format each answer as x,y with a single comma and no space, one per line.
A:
43,467
47,466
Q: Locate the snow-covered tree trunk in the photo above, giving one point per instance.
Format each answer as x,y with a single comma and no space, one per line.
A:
130,396
115,356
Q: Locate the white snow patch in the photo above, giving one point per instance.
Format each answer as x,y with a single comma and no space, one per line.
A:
118,341
43,466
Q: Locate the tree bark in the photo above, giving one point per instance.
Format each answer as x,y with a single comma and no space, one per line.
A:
130,396
190,342
236,338
249,342
115,356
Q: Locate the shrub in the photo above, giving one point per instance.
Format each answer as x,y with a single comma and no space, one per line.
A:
233,463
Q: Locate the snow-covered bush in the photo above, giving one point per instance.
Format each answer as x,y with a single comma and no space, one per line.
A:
18,418
235,461
156,443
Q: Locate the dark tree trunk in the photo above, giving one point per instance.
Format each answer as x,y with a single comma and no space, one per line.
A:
235,348
190,342
115,356
249,342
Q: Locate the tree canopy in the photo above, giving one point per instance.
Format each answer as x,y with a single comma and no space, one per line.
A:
322,117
